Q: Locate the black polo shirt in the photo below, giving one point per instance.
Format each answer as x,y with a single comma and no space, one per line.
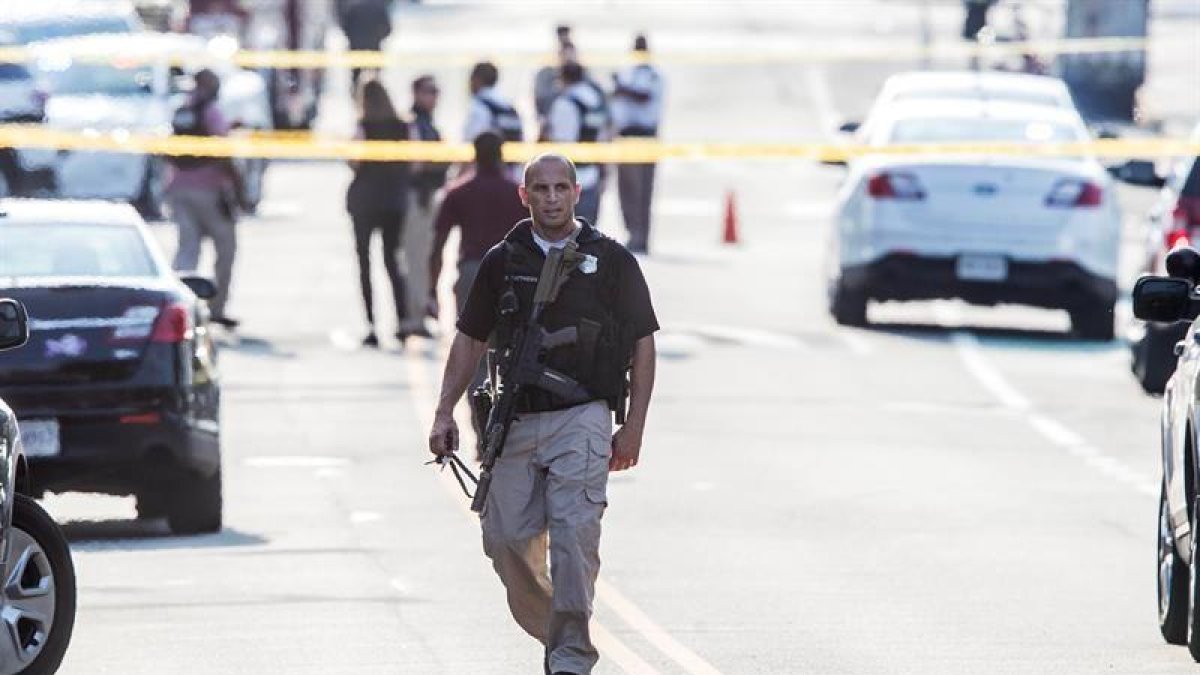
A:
631,307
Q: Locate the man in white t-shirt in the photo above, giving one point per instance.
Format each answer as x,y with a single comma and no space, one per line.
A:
636,113
580,115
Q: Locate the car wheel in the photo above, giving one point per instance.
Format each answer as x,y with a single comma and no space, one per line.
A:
849,306
195,505
1173,579
149,202
1094,323
1154,356
151,505
39,592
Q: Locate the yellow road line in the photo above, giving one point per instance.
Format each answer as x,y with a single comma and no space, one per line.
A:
290,146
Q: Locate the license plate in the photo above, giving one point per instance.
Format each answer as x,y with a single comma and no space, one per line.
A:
40,438
982,268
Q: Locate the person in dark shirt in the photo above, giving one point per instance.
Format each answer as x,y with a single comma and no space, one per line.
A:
484,205
549,485
376,200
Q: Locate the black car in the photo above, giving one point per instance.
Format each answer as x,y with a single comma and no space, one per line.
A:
37,599
1173,221
117,390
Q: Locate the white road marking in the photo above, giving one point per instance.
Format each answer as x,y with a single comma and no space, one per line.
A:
654,634
1057,433
295,462
362,517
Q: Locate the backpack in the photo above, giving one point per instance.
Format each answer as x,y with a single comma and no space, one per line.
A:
188,120
505,120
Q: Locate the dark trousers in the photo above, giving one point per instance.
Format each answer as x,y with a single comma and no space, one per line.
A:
588,207
390,225
635,185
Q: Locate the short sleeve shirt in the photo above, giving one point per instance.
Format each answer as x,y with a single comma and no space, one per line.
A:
632,307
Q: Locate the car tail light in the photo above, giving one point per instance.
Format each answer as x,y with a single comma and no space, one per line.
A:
174,324
1071,193
141,418
1177,237
894,185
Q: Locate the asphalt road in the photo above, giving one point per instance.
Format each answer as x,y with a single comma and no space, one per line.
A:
954,490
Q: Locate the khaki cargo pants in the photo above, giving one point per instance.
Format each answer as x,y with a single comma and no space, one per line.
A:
548,492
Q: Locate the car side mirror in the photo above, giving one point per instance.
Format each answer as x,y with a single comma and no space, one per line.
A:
1184,263
14,324
1162,299
849,126
203,287
1138,172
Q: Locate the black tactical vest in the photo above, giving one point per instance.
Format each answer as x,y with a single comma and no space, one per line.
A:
589,296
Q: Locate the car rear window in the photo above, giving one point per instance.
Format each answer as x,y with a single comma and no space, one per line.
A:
968,130
1009,95
72,250
13,71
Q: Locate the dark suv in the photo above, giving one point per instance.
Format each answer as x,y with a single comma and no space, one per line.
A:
1173,221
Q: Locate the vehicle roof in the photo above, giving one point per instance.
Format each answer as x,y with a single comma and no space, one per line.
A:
62,10
974,108
67,211
932,79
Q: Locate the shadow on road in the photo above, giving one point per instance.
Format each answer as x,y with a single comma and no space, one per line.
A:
1016,338
151,534
254,346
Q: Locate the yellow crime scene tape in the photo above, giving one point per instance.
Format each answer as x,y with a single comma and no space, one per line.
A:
300,59
639,151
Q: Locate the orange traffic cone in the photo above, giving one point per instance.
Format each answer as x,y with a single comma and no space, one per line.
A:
731,234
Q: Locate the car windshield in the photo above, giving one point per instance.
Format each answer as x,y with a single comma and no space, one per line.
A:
24,32
73,250
1009,95
969,130
88,77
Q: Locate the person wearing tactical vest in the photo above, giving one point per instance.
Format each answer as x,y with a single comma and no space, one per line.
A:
636,111
202,193
580,115
549,485
489,111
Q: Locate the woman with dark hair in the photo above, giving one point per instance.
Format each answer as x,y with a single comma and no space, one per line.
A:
376,200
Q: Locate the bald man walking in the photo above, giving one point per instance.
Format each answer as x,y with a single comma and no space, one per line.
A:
549,486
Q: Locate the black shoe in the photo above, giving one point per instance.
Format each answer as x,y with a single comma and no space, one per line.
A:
370,340
225,321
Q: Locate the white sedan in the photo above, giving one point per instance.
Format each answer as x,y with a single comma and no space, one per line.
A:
1008,228
134,88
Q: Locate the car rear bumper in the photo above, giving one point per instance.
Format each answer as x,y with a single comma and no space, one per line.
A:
123,453
1053,285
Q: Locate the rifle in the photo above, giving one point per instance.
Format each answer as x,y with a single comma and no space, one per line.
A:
523,362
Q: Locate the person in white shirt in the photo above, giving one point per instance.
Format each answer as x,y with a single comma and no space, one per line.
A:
580,115
636,113
489,111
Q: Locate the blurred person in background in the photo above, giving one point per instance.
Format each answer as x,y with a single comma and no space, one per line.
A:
483,204
975,18
580,115
213,18
366,23
636,113
546,83
489,111
202,193
425,180
377,200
